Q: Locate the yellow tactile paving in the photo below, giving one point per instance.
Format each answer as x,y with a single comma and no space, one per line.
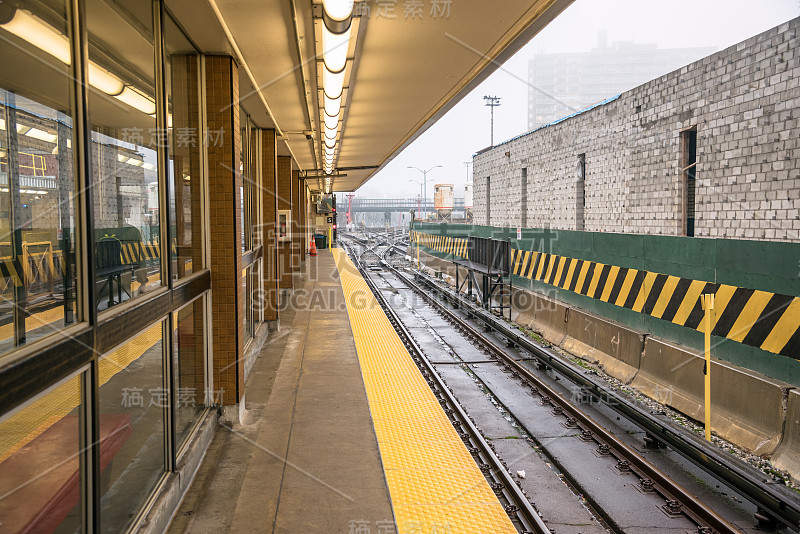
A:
434,483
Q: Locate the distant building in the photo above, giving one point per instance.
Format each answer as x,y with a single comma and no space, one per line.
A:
561,84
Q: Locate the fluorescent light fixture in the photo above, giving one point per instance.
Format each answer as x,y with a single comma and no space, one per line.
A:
135,162
22,129
338,9
41,135
333,105
137,100
43,36
2,124
331,122
104,80
149,166
40,34
122,158
334,48
333,82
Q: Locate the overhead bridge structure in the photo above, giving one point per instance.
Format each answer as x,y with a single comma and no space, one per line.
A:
397,205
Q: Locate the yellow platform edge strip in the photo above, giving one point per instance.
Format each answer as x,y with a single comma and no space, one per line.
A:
434,483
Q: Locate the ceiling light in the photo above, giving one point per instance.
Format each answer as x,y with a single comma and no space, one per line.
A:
135,162
149,166
41,135
104,80
330,142
333,82
334,48
333,105
331,122
134,98
122,158
338,9
39,34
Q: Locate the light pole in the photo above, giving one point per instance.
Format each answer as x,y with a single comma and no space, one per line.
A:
419,216
425,187
492,102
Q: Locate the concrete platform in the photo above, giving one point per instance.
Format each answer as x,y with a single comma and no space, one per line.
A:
305,458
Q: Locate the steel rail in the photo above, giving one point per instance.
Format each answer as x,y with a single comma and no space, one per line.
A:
519,506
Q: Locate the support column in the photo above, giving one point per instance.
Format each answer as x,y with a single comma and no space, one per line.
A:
285,208
269,170
297,236
224,183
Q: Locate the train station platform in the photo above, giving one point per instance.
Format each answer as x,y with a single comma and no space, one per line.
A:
342,433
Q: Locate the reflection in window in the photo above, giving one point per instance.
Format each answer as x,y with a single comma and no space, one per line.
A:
37,184
189,368
186,141
127,246
40,466
132,403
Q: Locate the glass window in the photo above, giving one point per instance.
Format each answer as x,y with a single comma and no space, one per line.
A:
248,303
189,367
125,139
244,171
183,107
132,400
40,466
37,183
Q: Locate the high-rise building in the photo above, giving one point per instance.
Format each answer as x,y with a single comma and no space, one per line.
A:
561,84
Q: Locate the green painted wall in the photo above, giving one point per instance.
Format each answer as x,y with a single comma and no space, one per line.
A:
762,265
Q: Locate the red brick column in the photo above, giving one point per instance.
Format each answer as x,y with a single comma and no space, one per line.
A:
227,295
269,173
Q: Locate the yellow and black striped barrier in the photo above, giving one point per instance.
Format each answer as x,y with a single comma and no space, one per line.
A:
456,246
769,321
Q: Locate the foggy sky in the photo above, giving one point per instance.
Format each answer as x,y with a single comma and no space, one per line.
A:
465,129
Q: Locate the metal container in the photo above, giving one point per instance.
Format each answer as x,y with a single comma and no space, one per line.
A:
468,195
443,196
443,201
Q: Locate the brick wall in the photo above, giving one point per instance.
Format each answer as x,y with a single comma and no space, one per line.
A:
269,217
222,89
743,102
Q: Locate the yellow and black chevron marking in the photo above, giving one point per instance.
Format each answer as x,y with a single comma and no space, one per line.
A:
456,246
138,252
129,253
11,268
769,321
757,318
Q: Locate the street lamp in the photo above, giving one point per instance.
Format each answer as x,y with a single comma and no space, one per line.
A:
419,216
425,187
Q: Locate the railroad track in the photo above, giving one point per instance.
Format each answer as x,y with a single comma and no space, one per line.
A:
776,505
519,509
771,503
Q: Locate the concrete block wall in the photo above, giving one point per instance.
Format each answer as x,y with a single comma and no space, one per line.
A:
743,102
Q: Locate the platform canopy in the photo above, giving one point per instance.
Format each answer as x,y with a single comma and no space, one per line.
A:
407,62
